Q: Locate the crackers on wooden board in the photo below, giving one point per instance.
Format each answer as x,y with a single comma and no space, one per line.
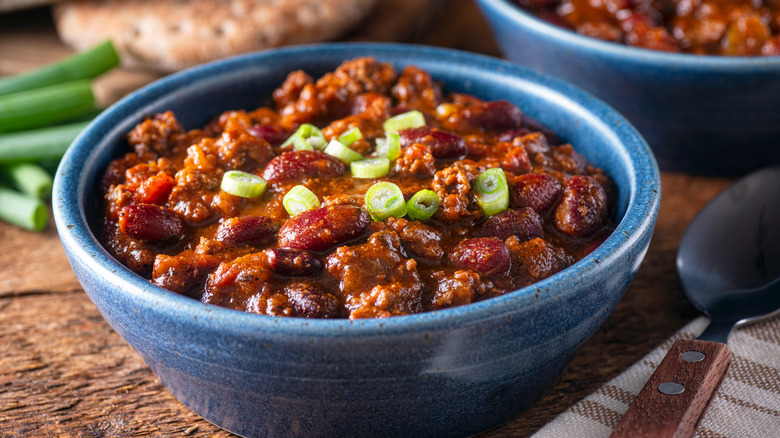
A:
168,35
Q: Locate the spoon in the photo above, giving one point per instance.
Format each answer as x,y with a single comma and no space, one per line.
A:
729,266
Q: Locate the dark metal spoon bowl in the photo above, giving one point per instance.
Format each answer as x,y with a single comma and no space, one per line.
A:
729,266
729,258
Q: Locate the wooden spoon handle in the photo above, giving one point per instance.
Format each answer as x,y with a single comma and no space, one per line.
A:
661,410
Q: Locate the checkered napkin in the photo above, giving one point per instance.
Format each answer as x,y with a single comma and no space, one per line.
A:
746,406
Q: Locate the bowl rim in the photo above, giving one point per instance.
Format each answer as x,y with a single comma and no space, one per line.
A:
625,52
76,235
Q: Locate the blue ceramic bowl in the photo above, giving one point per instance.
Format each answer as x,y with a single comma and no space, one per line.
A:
455,372
700,114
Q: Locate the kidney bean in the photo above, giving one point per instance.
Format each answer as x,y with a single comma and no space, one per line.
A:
299,164
246,230
583,208
323,228
524,223
150,223
312,302
536,190
443,144
292,262
486,255
274,135
499,115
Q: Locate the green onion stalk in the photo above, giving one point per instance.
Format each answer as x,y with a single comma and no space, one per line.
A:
385,199
42,144
389,147
407,120
491,191
300,199
339,150
243,184
46,106
370,168
308,137
29,178
22,210
85,65
350,136
423,205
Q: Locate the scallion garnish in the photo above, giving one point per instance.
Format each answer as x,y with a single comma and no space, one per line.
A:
350,136
491,191
407,120
38,144
22,210
29,178
243,184
84,65
385,199
423,205
308,137
370,168
47,105
389,147
300,199
337,149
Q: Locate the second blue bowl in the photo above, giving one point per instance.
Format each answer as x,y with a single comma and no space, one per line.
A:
700,114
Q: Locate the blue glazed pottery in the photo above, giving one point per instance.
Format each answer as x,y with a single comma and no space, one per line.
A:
455,372
699,114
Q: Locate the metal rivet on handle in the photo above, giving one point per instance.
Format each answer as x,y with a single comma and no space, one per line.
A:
692,356
670,388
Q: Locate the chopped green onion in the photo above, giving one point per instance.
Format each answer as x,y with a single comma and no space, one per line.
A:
423,205
243,184
300,199
45,106
84,65
38,144
350,136
491,191
408,120
385,199
308,137
22,210
389,147
336,149
29,179
370,168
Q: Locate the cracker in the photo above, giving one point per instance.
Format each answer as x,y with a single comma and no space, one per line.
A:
168,35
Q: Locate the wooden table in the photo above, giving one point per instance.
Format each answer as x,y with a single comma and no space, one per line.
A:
65,373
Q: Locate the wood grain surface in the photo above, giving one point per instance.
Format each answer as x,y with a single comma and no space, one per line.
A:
65,373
